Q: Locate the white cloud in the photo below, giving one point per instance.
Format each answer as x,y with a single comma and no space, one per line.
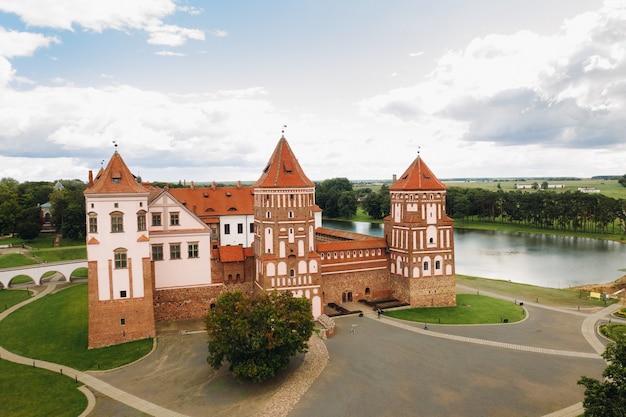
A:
169,53
566,89
218,33
98,16
14,43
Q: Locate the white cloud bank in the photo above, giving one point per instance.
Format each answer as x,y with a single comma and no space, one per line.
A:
97,16
564,90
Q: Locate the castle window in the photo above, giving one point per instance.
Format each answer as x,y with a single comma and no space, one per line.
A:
116,205
437,265
174,250
367,291
360,253
121,261
227,229
268,214
192,250
157,252
425,266
93,223
156,219
251,227
141,221
431,240
322,255
122,322
174,219
240,228
238,277
292,272
123,294
117,222
290,214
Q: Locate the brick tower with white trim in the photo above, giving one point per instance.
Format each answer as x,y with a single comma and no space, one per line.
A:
420,238
120,272
284,232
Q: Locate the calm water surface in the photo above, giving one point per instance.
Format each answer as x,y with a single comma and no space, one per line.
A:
544,260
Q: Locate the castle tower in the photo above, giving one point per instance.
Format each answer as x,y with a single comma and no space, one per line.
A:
420,237
120,273
284,232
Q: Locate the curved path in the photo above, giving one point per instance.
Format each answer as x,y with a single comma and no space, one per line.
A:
91,381
315,362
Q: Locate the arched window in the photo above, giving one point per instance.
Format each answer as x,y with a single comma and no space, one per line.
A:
437,264
292,272
290,214
93,223
117,222
120,258
141,220
425,266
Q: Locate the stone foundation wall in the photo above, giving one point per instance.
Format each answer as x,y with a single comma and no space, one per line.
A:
174,304
112,322
335,285
437,291
433,291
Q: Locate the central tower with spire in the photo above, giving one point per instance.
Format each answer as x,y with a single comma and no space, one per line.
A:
284,229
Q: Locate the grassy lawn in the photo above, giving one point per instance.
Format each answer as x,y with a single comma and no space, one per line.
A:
61,254
526,292
33,392
504,227
12,260
54,329
9,298
470,309
613,331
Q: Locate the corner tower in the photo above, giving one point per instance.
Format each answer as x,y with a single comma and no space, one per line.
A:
120,273
420,238
284,229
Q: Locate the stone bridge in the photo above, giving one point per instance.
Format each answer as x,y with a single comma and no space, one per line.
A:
37,272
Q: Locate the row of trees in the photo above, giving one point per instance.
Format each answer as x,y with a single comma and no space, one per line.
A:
569,211
338,198
20,207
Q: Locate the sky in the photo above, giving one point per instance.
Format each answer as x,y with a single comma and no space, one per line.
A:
202,91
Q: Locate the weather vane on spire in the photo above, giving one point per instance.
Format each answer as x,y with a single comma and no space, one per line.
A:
115,144
418,150
284,127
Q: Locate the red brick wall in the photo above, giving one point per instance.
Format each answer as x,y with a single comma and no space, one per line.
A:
334,285
105,327
437,291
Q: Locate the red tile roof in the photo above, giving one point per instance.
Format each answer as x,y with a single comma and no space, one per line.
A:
283,170
417,177
208,202
231,253
116,178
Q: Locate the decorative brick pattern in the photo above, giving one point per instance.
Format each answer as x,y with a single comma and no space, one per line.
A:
118,321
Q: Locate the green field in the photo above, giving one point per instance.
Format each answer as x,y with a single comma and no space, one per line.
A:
469,309
54,329
34,392
567,298
610,188
9,298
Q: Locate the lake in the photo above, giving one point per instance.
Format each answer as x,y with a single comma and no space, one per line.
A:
543,260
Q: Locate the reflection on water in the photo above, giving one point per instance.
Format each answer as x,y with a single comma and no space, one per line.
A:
545,260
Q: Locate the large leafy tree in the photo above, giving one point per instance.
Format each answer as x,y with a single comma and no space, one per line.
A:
607,398
328,193
257,335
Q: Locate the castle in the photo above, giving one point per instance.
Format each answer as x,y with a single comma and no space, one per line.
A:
158,254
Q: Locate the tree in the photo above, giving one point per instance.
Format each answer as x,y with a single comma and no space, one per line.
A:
257,335
622,180
608,398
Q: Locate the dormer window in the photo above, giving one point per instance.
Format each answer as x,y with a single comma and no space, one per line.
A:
116,177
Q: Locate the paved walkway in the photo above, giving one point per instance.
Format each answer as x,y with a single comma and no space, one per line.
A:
588,328
89,380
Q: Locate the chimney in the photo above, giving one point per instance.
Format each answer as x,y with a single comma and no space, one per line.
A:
193,186
213,185
394,178
90,179
239,185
